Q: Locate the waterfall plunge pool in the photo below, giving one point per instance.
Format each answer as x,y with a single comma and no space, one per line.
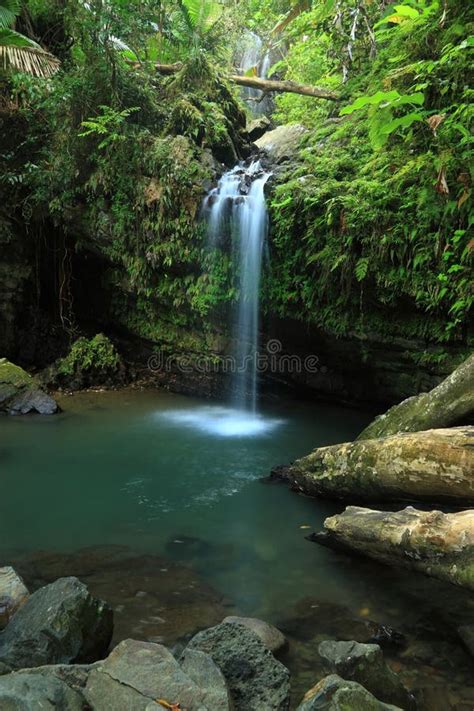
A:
155,501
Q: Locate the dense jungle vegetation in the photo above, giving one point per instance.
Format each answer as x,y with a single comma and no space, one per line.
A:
102,155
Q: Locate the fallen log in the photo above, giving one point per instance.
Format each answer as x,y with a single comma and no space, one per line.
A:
437,544
449,403
435,466
283,86
266,85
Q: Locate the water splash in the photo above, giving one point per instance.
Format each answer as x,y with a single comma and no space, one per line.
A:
223,421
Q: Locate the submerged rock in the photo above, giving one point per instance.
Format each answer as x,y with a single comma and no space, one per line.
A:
364,663
256,680
451,402
58,624
436,465
283,142
432,542
137,674
31,692
271,637
335,694
20,394
13,593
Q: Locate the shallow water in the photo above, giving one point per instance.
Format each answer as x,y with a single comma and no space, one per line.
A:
175,482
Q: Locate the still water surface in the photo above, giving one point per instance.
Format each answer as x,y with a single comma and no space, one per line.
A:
177,480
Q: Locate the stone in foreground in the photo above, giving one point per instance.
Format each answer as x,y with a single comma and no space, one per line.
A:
20,394
59,624
437,544
256,680
450,403
435,466
335,694
13,593
34,692
137,674
271,637
364,663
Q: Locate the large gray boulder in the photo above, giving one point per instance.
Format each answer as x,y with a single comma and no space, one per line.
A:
282,143
364,663
35,692
335,694
137,674
20,394
271,637
450,403
256,680
13,593
58,624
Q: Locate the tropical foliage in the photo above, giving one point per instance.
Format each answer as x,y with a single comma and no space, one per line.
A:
18,52
370,221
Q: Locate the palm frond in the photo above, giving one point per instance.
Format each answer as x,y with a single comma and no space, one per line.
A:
20,53
9,9
200,15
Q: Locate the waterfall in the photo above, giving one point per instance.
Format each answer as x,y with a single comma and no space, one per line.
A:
250,56
236,209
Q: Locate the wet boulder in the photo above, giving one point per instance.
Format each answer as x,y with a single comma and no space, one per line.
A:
31,692
271,637
136,675
335,694
256,680
59,624
20,394
13,593
450,403
364,663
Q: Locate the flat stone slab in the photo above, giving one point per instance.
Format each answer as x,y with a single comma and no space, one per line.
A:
137,674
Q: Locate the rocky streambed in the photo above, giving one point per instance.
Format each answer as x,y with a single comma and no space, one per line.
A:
55,653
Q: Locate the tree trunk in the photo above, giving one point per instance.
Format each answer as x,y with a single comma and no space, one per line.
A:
434,543
269,85
450,403
434,466
265,85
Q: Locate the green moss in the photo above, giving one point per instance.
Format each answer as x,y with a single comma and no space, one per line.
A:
12,374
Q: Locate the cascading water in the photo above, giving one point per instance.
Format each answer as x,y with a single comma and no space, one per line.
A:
252,56
237,208
236,216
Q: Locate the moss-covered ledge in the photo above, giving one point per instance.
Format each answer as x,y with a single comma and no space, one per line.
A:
20,394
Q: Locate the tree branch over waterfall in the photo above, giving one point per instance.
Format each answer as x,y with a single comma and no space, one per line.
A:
265,85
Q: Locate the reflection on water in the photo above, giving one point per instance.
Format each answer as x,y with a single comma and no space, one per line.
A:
187,533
